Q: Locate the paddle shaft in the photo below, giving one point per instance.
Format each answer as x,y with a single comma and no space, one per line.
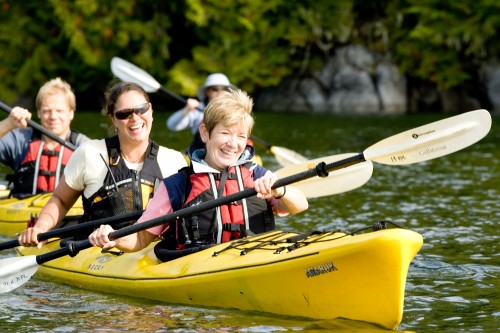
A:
322,169
69,231
127,71
40,128
183,100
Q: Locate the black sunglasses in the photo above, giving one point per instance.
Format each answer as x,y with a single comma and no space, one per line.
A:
127,113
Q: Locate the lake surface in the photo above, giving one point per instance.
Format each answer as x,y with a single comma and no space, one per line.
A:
454,202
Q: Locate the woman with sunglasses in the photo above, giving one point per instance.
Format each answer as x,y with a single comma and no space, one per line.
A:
116,175
191,115
222,168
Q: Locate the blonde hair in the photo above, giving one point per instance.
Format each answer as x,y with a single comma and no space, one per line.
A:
54,87
231,108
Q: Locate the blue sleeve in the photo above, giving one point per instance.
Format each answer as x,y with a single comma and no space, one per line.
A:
259,171
14,146
176,189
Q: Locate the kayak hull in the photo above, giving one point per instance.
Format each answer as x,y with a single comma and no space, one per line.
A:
325,276
15,213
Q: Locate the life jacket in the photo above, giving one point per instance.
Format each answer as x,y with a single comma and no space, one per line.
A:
124,190
41,168
221,224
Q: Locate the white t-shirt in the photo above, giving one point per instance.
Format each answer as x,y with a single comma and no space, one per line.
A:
86,170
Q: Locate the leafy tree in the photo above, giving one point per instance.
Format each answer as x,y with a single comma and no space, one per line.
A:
256,43
444,42
76,40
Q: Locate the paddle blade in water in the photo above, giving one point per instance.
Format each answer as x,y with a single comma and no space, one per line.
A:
16,271
430,141
287,157
338,181
129,72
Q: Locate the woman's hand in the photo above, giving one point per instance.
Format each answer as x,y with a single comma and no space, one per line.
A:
29,237
191,105
263,186
100,237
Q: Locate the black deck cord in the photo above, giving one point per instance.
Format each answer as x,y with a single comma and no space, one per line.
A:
242,241
297,240
379,225
167,255
174,254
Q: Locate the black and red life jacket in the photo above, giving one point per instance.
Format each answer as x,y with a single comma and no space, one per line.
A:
221,224
41,168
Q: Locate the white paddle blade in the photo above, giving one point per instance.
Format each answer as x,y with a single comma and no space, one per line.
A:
16,271
286,157
430,141
338,181
129,72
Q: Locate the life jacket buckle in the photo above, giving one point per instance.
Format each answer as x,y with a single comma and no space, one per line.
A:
231,227
194,223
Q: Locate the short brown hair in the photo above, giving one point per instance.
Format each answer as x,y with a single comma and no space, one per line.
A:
231,108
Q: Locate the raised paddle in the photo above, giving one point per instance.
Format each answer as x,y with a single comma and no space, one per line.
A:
338,181
40,128
129,72
417,145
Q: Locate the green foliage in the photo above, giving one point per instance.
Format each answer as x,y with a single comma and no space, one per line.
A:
256,43
444,41
76,40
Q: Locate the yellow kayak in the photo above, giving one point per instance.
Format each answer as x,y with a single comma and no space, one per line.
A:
322,275
15,213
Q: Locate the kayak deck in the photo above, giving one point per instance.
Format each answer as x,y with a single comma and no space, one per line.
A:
321,276
15,213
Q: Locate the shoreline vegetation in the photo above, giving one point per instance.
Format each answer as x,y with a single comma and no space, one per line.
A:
310,56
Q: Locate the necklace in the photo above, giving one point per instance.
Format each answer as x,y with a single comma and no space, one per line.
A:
131,160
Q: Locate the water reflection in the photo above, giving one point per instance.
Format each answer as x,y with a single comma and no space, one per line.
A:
452,201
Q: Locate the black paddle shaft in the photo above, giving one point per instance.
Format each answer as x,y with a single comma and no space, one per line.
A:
321,170
69,231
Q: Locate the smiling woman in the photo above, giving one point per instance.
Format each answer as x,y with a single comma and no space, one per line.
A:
116,175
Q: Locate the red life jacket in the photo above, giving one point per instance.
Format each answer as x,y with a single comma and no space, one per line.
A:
41,168
221,224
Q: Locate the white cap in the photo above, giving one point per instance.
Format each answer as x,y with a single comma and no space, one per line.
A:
216,79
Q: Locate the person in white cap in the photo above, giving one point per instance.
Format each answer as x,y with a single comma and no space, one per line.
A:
191,115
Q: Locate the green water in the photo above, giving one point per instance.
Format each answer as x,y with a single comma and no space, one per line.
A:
452,201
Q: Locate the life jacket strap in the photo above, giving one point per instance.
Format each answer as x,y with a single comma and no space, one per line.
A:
232,227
